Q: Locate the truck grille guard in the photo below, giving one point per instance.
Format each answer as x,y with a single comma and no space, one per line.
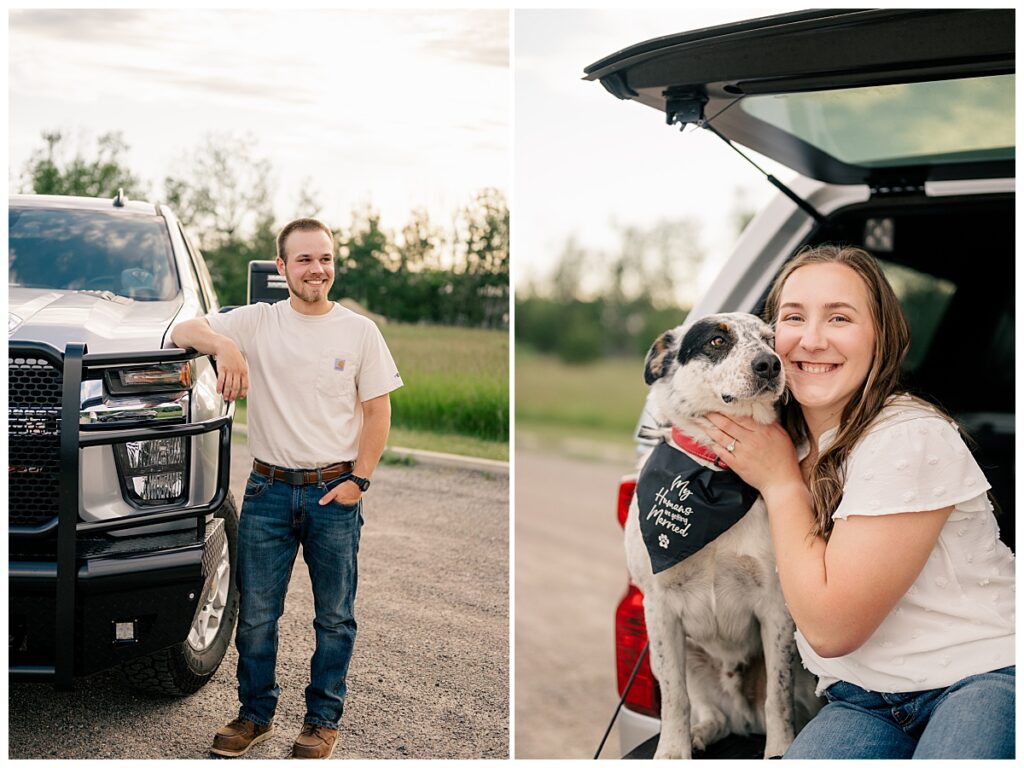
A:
73,362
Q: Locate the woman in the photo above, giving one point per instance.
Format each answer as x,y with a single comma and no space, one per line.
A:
886,543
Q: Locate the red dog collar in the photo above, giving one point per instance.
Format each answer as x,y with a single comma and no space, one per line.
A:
694,448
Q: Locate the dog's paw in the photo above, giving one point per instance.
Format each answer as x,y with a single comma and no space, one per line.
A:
672,749
707,732
776,747
669,754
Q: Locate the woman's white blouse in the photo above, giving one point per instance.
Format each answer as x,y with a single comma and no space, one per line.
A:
957,619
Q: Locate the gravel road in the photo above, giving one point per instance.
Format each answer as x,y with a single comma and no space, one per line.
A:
429,676
570,575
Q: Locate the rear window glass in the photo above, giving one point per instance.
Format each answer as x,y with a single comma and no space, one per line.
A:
969,119
925,299
125,253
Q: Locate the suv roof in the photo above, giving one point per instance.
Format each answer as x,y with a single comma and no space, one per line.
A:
83,203
848,96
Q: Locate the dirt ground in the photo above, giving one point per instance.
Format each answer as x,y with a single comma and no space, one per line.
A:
570,575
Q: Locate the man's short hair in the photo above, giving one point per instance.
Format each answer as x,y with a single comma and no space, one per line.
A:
300,225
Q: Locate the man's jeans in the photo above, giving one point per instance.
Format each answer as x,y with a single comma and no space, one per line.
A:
276,518
971,719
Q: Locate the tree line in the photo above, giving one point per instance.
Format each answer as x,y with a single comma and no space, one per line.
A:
600,304
419,273
616,302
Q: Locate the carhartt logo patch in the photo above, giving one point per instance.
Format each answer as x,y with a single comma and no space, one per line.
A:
339,364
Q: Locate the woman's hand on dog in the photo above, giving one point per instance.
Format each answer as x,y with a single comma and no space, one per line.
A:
763,454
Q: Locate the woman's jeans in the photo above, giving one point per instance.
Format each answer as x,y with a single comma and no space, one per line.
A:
276,518
971,719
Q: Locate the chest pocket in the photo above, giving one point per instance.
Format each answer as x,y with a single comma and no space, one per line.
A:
336,374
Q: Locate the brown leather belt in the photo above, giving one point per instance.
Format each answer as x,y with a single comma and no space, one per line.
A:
303,476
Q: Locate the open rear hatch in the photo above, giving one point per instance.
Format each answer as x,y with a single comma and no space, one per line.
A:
877,97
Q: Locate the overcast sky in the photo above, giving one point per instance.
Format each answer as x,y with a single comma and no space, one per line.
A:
402,109
586,162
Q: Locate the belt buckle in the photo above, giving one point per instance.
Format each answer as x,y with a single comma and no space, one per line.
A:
270,472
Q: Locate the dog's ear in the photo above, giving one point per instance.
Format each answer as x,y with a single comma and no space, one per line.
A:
658,358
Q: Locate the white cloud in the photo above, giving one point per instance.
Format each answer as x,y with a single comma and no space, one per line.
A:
588,163
405,107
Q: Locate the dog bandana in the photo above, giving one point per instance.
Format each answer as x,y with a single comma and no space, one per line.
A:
684,506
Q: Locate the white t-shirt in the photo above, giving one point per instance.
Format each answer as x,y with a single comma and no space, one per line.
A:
307,375
957,619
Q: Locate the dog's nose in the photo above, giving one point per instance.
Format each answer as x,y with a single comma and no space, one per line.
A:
767,366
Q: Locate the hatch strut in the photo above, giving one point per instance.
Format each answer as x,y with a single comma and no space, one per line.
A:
686,106
803,204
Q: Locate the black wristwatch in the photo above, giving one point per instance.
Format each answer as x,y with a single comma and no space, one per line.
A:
362,482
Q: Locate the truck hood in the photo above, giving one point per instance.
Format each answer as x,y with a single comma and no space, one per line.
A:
106,323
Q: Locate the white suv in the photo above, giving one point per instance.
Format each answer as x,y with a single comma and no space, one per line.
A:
901,126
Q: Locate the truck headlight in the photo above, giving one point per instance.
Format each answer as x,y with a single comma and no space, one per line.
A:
153,470
162,377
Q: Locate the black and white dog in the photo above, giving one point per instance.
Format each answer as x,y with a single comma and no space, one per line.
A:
699,547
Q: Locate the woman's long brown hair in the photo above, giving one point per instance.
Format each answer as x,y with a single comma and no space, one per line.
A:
892,341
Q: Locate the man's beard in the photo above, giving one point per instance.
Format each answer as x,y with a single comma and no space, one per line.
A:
310,294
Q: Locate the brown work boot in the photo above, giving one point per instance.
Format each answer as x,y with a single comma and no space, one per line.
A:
235,738
315,742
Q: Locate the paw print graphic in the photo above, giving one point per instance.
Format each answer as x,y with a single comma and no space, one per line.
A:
663,541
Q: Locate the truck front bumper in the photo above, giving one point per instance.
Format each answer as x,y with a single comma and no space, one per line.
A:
133,597
102,599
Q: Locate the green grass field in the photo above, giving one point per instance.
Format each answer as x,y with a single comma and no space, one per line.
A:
456,380
456,393
598,402
462,445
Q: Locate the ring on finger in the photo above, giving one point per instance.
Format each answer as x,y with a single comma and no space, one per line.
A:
731,446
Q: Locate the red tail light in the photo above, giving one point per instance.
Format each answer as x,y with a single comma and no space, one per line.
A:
631,632
630,638
627,487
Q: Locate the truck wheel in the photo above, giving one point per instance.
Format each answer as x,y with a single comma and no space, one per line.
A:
186,667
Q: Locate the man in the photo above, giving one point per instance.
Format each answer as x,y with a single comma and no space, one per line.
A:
319,415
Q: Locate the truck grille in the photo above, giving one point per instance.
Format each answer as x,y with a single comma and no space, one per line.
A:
33,471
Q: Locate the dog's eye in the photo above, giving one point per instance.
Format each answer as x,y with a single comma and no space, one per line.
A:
717,341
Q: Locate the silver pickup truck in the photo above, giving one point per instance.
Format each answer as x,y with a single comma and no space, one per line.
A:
121,529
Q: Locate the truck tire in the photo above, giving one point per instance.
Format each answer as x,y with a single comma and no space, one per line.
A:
186,667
